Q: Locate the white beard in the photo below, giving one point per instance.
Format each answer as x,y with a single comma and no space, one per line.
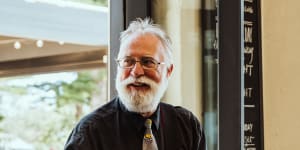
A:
141,101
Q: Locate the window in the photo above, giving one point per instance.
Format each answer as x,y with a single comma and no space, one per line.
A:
52,69
39,111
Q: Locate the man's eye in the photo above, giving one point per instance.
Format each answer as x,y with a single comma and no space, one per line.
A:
148,62
127,62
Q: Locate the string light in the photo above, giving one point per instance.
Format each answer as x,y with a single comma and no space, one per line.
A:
104,58
39,43
17,45
61,42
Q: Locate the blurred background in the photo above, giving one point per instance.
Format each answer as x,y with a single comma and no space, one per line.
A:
53,56
55,67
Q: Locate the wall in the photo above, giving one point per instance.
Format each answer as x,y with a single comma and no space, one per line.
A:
281,73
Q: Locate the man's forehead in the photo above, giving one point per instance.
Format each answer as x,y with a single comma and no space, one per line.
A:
140,42
140,37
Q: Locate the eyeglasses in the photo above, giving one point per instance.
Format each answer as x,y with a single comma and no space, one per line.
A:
146,62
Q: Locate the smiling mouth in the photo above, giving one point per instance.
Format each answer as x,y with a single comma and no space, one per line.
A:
139,86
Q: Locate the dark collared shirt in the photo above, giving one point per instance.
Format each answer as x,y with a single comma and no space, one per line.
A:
113,127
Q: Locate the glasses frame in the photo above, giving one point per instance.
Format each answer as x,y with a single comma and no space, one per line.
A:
157,63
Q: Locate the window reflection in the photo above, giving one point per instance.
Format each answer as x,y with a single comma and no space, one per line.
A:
210,72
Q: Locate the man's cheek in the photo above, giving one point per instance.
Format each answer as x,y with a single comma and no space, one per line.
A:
124,75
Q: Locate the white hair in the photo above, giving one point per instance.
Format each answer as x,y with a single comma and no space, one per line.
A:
139,27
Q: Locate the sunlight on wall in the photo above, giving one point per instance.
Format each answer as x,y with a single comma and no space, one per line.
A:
280,46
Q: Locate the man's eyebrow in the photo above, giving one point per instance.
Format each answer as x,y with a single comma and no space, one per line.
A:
147,57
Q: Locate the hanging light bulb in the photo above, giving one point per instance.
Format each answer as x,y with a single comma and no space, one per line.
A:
17,45
61,42
39,43
104,59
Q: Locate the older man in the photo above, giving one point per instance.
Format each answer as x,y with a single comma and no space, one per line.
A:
136,119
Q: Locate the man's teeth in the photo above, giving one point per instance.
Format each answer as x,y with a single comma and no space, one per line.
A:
138,84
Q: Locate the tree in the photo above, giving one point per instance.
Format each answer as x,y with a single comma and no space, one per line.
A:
78,92
48,128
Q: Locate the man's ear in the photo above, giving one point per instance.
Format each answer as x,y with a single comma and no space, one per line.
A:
169,70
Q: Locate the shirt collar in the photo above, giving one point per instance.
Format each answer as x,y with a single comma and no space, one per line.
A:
138,119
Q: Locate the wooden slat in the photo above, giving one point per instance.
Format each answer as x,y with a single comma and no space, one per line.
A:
66,62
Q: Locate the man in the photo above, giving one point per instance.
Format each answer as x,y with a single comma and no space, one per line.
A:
136,119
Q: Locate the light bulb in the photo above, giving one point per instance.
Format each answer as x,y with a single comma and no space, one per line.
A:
104,59
39,43
17,45
61,42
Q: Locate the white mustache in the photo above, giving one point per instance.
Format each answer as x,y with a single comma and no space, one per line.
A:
143,79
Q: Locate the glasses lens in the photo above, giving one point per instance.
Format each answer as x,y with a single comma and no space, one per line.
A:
127,62
148,62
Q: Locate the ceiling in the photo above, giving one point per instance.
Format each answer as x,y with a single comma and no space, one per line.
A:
62,30
80,27
30,50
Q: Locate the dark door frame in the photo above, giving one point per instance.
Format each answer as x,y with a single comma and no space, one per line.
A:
231,99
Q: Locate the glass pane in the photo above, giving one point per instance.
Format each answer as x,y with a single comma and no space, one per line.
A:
38,112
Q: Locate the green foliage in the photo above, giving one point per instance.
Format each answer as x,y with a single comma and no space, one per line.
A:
47,127
1,118
79,91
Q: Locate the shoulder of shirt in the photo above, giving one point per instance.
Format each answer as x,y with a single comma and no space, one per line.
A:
99,115
186,117
179,111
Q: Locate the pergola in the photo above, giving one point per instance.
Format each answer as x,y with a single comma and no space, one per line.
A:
39,36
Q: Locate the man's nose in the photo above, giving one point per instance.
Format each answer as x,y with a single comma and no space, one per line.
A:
137,70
